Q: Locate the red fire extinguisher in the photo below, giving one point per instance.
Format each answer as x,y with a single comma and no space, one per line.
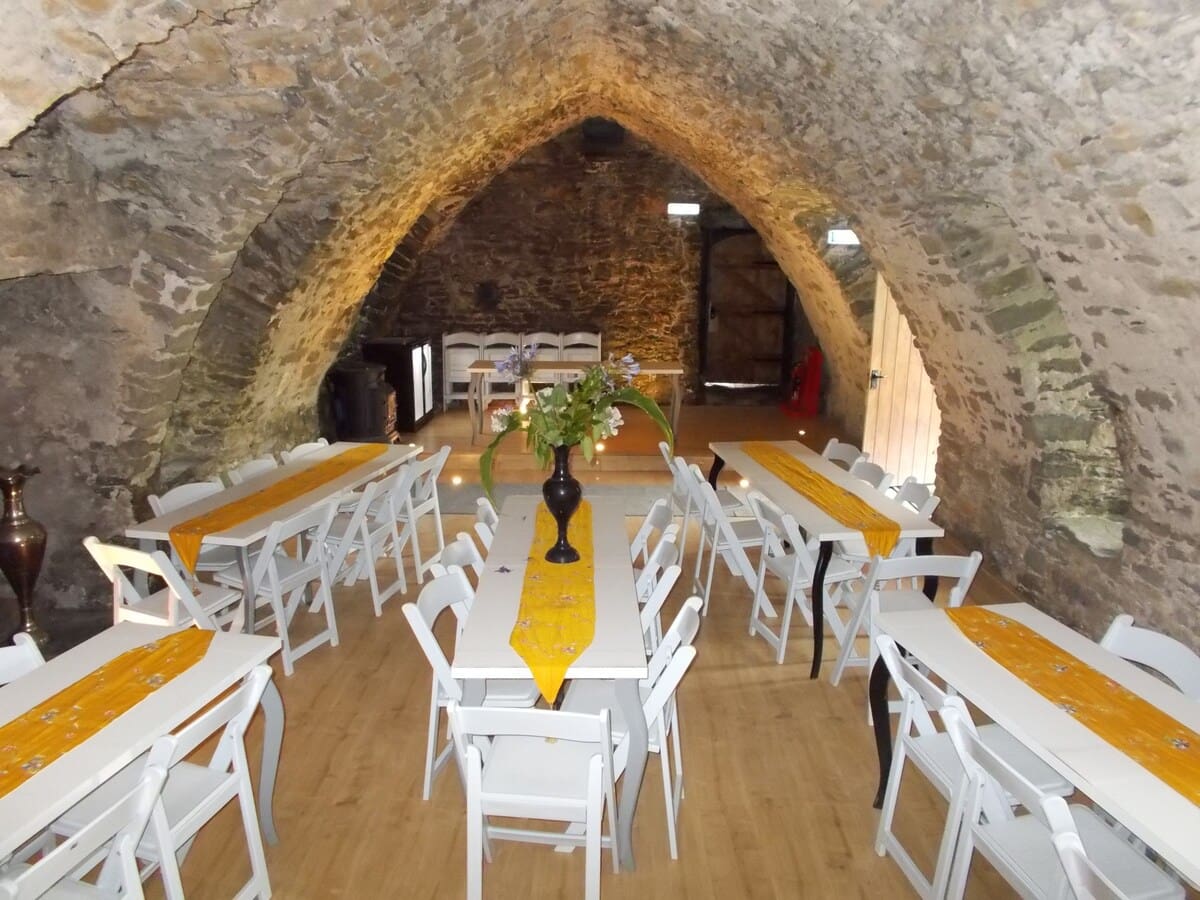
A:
805,393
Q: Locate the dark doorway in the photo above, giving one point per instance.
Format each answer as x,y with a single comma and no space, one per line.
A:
747,316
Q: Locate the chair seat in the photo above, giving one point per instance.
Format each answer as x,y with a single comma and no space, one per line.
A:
730,502
186,786
64,890
748,532
293,573
511,692
938,751
213,558
838,569
590,695
1022,845
549,773
212,599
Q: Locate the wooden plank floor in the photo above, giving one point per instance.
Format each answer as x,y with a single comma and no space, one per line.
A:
780,774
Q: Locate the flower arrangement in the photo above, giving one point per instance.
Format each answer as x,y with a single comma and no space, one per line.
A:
579,413
517,364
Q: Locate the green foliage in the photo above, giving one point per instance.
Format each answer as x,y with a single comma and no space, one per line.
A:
583,413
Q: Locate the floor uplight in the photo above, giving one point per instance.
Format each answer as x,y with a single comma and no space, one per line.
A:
600,447
745,482
456,480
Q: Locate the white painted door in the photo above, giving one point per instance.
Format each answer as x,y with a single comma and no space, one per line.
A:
903,420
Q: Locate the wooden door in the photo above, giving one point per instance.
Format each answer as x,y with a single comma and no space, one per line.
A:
749,313
903,420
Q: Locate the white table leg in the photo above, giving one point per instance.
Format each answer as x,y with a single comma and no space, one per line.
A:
676,403
141,581
248,597
272,707
473,412
639,739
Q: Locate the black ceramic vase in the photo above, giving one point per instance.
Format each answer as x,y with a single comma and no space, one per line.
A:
562,494
22,546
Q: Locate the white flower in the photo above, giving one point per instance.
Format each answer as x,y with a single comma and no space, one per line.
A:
612,421
500,418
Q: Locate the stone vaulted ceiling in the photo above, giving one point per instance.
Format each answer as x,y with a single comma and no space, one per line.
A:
196,199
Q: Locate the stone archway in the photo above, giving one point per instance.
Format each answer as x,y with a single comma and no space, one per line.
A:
229,210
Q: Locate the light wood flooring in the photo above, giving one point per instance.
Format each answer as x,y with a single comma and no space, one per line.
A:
780,774
780,770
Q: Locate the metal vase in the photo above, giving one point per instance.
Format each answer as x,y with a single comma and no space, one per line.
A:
22,546
562,494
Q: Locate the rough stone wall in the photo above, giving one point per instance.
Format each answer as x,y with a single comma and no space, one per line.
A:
570,242
1023,176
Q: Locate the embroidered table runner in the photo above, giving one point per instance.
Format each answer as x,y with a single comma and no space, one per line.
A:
1160,744
188,536
557,618
879,532
61,723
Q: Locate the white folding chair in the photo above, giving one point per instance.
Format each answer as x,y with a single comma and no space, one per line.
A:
251,468
664,555
788,557
485,533
279,579
452,591
535,764
422,500
1020,846
874,475
301,450
459,350
22,657
726,538
1084,876
656,521
1170,658
359,539
460,552
486,513
176,603
666,669
211,559
866,602
111,835
497,346
193,793
548,346
580,346
681,498
651,624
932,752
843,454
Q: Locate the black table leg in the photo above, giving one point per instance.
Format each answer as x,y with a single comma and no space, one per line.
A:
818,605
877,693
925,548
715,470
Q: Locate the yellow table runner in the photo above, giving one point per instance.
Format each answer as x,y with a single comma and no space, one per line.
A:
188,536
557,618
879,532
1160,744
61,723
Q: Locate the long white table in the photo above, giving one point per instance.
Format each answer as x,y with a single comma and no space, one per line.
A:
546,367
246,534
37,802
817,523
616,651
1158,814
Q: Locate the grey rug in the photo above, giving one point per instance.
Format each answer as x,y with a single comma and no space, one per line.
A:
460,500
